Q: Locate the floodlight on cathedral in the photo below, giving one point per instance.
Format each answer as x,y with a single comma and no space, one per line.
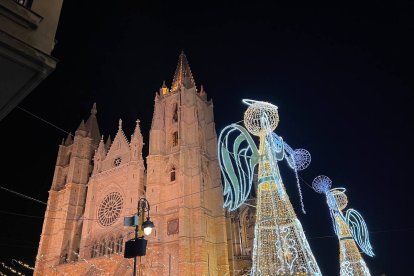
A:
350,228
280,246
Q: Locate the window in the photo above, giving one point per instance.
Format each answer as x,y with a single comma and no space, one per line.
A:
94,251
110,209
172,174
119,244
175,114
175,138
77,254
117,161
111,248
102,248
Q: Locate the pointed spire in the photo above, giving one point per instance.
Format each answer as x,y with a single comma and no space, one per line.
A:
136,143
101,149
68,140
202,92
164,89
120,141
120,131
183,75
100,154
94,110
108,142
92,125
137,131
82,126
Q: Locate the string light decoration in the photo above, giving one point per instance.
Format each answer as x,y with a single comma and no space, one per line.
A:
23,264
12,270
350,228
280,246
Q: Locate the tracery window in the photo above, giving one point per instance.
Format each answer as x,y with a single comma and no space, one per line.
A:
172,174
94,250
102,248
175,138
175,113
111,249
117,161
110,209
119,244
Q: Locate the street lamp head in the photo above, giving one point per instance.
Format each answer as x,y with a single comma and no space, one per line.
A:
147,225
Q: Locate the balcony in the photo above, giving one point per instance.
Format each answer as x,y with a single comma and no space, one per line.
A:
27,38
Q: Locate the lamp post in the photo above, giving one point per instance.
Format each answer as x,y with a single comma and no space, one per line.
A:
137,246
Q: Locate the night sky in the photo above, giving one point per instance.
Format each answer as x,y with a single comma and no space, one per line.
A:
342,79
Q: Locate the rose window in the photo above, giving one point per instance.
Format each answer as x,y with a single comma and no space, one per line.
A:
117,161
110,209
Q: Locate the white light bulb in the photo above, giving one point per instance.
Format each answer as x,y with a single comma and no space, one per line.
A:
147,231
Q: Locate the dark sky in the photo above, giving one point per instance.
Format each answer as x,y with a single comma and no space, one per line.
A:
342,79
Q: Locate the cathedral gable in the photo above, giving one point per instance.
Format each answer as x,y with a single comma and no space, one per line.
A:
119,152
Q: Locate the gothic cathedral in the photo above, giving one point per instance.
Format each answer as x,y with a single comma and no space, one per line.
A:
96,184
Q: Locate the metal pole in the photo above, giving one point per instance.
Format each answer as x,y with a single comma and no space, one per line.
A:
143,203
136,236
169,264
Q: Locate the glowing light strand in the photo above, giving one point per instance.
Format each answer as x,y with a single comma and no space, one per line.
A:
293,250
280,245
23,264
11,269
350,229
359,231
237,182
238,172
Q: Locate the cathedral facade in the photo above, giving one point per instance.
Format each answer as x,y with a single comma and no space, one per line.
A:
96,184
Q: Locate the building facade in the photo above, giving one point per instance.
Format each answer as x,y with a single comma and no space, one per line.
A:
27,38
96,184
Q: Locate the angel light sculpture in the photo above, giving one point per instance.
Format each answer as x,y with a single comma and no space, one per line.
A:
350,229
280,246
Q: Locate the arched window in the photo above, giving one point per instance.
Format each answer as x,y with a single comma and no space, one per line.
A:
68,158
94,250
175,138
119,244
111,249
172,174
102,248
175,113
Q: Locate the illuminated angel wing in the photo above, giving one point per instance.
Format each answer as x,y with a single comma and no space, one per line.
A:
237,158
359,231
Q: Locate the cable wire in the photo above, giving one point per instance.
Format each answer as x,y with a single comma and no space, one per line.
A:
22,195
43,120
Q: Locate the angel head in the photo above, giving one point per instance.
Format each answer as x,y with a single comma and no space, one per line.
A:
253,117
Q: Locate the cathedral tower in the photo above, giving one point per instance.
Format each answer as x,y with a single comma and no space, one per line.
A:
183,181
62,226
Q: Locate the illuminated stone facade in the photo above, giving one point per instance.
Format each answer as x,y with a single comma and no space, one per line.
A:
96,184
